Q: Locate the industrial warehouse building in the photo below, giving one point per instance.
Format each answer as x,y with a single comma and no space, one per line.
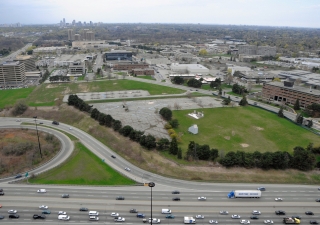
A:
189,68
119,55
288,93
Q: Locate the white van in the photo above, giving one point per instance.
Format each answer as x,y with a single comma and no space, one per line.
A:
93,213
64,217
166,211
42,191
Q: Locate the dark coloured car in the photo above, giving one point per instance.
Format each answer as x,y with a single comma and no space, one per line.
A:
113,156
18,176
133,211
55,122
13,216
120,198
280,212
175,199
35,216
1,193
313,222
41,123
46,212
65,196
1,190
176,192
83,209
1,217
318,200
254,217
261,188
140,215
170,216
309,213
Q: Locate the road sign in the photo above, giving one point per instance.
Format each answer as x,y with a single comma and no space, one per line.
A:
27,174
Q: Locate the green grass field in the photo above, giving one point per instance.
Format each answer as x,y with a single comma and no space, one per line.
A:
146,77
10,96
229,127
46,94
83,168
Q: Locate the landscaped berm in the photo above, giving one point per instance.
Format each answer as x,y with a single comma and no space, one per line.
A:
243,128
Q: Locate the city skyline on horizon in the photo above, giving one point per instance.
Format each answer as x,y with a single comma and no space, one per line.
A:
285,13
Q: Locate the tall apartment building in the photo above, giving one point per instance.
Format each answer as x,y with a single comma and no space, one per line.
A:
90,36
70,35
77,37
257,50
28,60
12,73
288,93
84,34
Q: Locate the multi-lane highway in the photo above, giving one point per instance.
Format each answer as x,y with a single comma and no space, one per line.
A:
25,199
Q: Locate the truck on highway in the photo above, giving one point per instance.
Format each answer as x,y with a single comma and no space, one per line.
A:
189,220
290,220
244,194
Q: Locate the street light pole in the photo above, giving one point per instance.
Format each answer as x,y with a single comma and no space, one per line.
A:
151,185
35,121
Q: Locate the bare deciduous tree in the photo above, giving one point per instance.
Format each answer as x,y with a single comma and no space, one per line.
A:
176,106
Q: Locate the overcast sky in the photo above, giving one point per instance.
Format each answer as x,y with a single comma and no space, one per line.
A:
293,13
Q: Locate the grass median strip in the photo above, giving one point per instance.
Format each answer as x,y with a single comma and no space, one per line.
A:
82,168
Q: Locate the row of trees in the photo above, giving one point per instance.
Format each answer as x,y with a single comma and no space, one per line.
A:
44,76
302,159
77,102
59,78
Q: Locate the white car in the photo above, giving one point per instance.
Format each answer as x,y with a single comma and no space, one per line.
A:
235,216
224,212
12,211
202,198
119,219
42,191
127,169
43,207
278,199
255,212
199,216
62,213
154,220
93,218
268,222
213,221
114,214
245,221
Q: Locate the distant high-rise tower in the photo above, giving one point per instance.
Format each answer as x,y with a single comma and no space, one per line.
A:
91,23
77,37
64,21
83,34
90,36
73,22
70,35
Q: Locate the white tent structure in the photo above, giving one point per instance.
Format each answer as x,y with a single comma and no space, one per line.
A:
193,129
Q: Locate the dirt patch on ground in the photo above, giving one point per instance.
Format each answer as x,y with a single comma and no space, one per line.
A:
50,86
83,87
227,137
258,128
244,145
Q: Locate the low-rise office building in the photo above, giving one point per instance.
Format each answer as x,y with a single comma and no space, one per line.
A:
129,66
28,60
137,72
119,55
12,73
77,68
288,93
189,68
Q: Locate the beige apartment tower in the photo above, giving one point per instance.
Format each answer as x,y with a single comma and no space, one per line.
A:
70,35
12,73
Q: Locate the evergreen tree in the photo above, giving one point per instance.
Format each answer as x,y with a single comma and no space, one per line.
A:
296,105
299,119
179,153
280,113
173,146
243,101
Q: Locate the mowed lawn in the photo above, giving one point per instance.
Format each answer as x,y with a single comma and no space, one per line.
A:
83,168
229,129
46,94
10,96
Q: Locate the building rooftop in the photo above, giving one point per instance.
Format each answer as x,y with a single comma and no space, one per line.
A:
23,57
296,88
10,63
